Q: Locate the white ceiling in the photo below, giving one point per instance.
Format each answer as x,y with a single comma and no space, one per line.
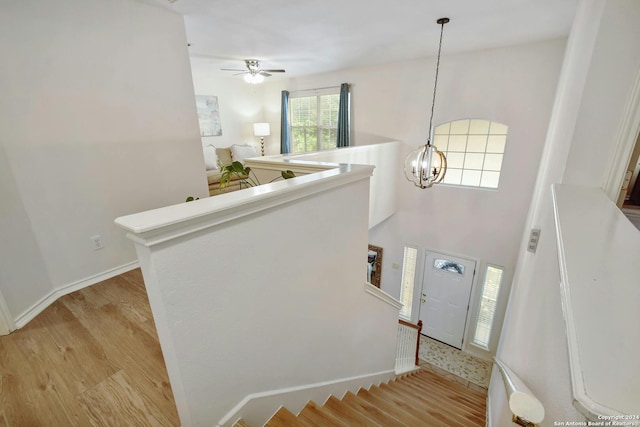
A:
307,37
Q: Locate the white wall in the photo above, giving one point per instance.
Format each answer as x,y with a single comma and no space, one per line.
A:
24,278
513,85
603,103
97,119
599,69
384,157
239,104
240,309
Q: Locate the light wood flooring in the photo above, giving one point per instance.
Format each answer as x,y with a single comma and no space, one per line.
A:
93,359
90,359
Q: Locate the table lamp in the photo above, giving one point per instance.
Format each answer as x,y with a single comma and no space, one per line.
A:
261,130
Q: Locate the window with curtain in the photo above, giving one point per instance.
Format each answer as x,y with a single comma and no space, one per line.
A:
313,120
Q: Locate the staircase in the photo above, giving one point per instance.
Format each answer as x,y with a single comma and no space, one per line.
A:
422,398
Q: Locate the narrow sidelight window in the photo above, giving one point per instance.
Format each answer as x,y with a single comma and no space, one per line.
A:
408,281
486,313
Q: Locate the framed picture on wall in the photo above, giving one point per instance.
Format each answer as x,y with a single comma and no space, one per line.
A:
208,115
374,265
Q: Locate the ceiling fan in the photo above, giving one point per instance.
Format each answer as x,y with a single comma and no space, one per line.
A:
254,74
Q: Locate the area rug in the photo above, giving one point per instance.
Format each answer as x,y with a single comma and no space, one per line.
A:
463,365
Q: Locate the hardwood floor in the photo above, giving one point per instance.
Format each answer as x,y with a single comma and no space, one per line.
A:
93,359
90,359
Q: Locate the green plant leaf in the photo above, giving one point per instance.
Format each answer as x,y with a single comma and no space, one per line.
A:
288,174
225,177
191,199
240,171
237,167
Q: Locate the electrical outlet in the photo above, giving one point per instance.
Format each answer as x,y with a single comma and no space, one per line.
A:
97,242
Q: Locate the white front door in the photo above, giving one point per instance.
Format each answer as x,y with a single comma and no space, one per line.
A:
444,300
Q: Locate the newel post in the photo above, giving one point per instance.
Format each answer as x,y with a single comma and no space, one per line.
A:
418,343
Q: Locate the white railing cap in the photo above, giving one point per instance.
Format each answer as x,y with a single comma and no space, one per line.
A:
522,402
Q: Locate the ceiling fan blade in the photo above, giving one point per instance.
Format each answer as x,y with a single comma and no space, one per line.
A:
275,71
240,73
231,69
264,73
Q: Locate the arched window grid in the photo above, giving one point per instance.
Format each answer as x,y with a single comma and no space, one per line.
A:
474,149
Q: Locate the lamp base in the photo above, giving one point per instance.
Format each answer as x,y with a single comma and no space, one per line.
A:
262,145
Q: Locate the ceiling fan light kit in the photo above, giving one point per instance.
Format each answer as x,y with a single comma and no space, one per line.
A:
426,165
253,78
254,74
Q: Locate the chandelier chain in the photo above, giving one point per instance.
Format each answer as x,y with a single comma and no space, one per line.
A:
435,85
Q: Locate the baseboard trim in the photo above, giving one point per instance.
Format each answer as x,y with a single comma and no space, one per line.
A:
406,372
257,408
45,302
382,295
488,421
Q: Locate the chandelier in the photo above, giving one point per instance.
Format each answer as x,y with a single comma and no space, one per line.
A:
426,165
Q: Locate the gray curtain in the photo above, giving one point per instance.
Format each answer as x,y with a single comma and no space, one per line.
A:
343,117
284,124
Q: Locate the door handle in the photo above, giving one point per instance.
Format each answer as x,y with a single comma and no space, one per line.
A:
424,295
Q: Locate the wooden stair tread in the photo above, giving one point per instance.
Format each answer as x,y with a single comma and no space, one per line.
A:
458,413
413,406
456,396
241,423
284,418
453,393
421,398
371,411
429,377
389,407
446,411
347,414
315,415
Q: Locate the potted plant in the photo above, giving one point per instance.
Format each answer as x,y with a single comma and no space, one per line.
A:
246,175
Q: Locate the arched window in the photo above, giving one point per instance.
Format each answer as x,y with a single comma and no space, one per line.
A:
474,150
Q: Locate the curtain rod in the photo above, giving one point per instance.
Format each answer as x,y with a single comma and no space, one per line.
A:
317,88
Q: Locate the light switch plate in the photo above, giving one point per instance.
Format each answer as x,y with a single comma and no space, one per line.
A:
534,238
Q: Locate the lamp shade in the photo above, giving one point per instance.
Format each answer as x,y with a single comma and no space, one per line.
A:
261,129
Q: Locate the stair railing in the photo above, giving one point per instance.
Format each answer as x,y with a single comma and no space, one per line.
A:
527,410
407,346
